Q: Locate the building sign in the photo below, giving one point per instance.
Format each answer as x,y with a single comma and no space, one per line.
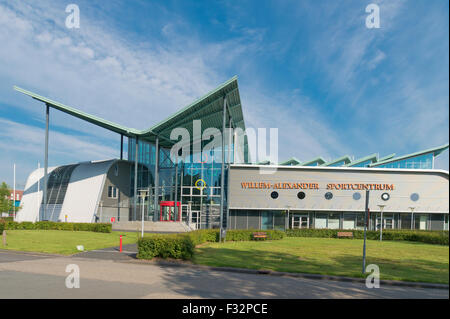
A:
330,186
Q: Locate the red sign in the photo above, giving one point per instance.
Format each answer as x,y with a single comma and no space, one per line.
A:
113,219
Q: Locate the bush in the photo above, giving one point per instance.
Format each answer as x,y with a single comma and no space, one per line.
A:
424,236
47,225
166,246
182,246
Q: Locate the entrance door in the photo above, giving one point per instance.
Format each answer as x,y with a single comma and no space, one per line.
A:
388,223
167,211
423,222
195,218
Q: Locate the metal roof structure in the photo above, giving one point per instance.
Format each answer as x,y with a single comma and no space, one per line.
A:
435,150
208,109
319,160
346,159
373,157
291,161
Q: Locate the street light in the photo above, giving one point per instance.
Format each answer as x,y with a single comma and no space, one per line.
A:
412,217
143,193
381,226
287,220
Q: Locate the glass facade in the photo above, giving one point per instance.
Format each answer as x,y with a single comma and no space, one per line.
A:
272,219
424,161
362,164
340,163
194,182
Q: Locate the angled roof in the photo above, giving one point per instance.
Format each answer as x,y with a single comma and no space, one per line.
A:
208,108
319,160
436,151
344,158
386,157
81,115
372,157
291,161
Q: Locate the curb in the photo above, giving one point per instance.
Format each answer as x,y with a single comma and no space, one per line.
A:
31,253
290,274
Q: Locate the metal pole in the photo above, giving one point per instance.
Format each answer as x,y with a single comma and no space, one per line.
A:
365,231
412,217
135,176
38,187
156,175
47,118
222,169
14,193
229,163
142,217
381,229
176,188
121,146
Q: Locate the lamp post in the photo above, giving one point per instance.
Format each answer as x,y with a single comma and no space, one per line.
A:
287,219
412,217
189,215
143,193
381,226
366,213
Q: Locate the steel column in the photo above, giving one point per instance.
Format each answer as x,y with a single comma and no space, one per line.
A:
366,213
121,146
136,154
222,169
229,163
156,176
44,194
176,188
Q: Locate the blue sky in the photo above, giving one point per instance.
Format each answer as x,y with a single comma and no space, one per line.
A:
310,68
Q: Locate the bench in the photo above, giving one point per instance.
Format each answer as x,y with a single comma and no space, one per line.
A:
261,235
344,234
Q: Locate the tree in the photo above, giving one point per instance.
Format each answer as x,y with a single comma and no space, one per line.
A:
6,204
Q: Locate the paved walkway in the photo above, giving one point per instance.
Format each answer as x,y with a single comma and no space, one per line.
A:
24,275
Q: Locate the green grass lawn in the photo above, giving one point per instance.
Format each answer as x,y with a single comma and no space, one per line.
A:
397,260
63,242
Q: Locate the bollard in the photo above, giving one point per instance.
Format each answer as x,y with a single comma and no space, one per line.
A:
120,248
4,237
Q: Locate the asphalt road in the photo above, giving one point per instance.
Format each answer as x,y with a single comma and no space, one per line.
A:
109,274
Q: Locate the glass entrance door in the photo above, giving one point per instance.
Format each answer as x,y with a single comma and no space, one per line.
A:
167,212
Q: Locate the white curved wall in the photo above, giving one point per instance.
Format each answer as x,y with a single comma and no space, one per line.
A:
32,199
84,191
81,199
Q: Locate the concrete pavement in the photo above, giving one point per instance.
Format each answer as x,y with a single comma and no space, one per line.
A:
24,275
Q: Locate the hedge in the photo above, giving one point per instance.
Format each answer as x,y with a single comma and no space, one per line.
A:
424,236
47,225
181,246
166,246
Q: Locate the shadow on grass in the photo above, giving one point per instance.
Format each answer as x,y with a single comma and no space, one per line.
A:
342,265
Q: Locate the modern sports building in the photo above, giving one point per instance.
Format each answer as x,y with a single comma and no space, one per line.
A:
195,169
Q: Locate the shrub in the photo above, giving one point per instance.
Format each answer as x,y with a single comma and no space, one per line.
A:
424,236
48,225
166,246
182,246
